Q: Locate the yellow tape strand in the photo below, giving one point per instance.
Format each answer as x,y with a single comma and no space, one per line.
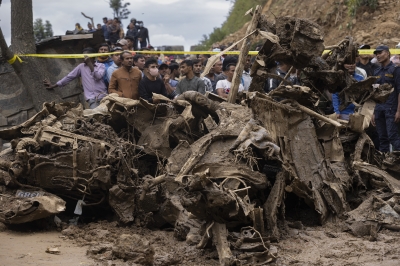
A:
12,60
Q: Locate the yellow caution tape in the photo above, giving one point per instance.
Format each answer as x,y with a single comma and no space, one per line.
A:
12,60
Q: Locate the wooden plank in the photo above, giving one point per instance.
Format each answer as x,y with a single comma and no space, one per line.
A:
244,51
76,37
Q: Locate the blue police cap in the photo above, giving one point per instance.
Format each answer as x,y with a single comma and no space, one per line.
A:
381,48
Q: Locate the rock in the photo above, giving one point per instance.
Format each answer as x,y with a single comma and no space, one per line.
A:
71,231
104,249
3,227
134,248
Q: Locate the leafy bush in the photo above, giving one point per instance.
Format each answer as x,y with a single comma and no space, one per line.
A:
235,20
354,5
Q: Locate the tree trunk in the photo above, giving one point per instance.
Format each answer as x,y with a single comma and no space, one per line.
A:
31,72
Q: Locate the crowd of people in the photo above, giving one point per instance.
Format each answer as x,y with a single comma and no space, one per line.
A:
113,31
138,76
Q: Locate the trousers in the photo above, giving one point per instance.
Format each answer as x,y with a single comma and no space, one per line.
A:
93,103
388,130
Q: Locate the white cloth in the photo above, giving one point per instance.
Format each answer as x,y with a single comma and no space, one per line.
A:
246,80
226,85
361,72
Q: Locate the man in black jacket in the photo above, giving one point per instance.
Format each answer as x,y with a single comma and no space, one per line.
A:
151,82
143,36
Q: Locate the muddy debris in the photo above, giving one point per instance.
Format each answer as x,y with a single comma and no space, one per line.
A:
218,173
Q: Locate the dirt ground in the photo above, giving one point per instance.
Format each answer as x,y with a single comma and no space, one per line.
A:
28,248
327,245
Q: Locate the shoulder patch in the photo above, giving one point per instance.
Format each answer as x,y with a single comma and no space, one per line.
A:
389,75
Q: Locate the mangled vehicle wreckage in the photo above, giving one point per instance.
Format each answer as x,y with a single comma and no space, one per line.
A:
218,172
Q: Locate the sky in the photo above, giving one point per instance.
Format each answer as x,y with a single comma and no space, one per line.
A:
170,22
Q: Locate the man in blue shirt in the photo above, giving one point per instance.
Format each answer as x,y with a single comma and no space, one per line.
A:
345,113
105,30
387,115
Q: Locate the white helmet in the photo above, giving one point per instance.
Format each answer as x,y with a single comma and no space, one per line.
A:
398,46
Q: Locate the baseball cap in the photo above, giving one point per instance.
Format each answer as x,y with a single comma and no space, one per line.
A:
173,66
117,48
364,46
163,65
122,42
381,48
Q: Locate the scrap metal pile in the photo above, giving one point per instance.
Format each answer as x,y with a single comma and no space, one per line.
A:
217,172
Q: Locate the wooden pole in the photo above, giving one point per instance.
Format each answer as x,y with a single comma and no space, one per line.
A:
244,51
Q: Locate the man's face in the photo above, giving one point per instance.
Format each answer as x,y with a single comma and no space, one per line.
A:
128,60
202,58
229,72
151,66
104,20
185,69
382,56
218,67
99,26
163,70
350,67
103,49
140,63
116,58
197,68
248,63
130,43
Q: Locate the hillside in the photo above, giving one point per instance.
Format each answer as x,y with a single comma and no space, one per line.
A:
374,25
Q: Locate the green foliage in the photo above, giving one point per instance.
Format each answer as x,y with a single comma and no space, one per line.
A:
235,20
354,5
120,9
42,31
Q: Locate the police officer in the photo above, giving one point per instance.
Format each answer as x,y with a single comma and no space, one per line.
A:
387,115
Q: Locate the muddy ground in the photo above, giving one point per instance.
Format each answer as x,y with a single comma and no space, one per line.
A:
312,245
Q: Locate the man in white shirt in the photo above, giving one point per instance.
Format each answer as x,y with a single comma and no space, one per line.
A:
246,74
224,86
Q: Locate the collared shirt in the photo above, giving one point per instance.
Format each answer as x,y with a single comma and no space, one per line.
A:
389,74
110,70
194,84
246,80
92,82
125,83
105,31
107,63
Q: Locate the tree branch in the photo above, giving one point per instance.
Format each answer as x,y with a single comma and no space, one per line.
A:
91,18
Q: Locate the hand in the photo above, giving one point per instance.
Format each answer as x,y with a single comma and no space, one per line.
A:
397,117
87,60
156,101
373,120
47,84
166,78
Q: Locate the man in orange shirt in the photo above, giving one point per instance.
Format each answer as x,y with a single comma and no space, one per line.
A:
125,80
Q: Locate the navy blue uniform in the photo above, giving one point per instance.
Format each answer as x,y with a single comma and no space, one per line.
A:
385,113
